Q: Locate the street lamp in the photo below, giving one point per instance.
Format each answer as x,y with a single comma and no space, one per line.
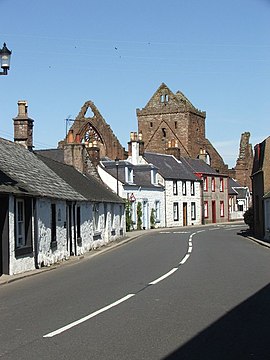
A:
5,55
117,167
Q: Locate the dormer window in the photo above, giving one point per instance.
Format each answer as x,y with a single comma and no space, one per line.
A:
129,174
154,176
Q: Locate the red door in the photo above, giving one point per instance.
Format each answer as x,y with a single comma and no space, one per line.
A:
214,214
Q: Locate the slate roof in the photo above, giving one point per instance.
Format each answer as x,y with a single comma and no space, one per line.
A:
23,172
141,173
199,166
55,154
88,186
169,167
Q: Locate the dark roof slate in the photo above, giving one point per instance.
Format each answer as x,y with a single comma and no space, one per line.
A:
198,166
141,173
32,176
55,154
169,167
88,186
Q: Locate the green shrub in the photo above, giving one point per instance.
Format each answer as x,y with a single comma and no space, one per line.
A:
139,216
249,218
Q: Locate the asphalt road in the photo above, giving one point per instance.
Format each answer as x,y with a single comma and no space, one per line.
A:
196,293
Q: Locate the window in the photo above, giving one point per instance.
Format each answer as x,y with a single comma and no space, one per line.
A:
192,188
164,98
23,226
206,209
221,185
20,224
205,183
222,209
184,188
96,216
175,212
53,223
213,184
154,176
175,124
151,124
164,132
129,175
157,210
193,211
175,189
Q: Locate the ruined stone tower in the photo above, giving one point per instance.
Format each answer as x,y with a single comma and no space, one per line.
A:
171,117
243,168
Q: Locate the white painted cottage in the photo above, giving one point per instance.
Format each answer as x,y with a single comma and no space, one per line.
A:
49,211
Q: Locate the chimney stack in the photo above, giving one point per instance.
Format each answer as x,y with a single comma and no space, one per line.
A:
173,149
23,126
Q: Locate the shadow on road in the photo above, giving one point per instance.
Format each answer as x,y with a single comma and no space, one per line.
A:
242,334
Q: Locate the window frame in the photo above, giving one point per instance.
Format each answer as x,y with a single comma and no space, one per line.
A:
205,183
175,187
175,211
184,187
192,188
222,208
157,211
213,184
206,209
193,210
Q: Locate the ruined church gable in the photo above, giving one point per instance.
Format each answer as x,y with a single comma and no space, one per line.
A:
94,130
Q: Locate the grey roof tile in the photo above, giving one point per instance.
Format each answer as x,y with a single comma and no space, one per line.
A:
169,167
23,167
88,186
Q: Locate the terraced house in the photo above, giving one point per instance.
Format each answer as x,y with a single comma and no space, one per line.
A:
49,210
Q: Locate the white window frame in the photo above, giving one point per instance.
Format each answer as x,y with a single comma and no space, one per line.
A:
20,223
175,211
157,210
184,188
175,187
193,210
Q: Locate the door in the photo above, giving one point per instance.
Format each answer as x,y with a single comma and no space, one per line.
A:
214,214
184,214
4,237
145,215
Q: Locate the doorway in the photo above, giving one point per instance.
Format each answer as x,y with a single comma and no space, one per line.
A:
184,214
214,214
4,237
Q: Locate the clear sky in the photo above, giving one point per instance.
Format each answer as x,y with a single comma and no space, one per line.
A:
117,53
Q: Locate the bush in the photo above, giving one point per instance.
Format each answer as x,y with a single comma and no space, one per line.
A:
139,216
249,218
128,216
152,218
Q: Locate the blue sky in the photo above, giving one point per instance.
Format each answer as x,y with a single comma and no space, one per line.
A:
117,53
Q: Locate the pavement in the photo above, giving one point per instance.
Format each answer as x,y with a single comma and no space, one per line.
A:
6,279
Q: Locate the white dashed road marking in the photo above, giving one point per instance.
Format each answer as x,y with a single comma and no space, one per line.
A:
127,297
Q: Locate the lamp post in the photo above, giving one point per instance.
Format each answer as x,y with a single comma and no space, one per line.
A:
5,55
117,174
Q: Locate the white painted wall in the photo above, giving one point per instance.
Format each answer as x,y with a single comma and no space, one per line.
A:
17,264
170,198
149,197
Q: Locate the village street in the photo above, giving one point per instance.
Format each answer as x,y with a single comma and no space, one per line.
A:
182,293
